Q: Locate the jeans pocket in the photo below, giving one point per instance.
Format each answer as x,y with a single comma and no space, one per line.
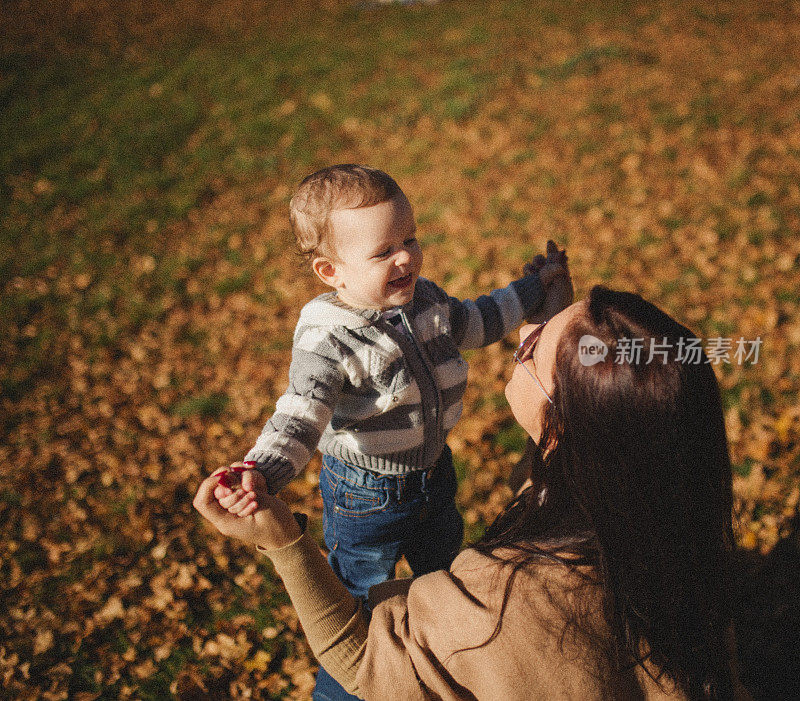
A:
327,488
356,501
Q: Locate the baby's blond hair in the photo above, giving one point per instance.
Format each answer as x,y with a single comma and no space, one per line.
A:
344,186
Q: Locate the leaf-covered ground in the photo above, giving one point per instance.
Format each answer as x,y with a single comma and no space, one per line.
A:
150,289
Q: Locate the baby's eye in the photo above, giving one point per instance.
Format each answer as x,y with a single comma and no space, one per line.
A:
410,242
383,253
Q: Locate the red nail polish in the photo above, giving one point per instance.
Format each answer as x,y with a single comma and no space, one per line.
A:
231,479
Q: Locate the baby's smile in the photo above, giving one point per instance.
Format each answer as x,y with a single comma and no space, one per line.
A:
401,282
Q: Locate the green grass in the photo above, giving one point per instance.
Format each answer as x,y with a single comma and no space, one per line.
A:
110,159
511,438
206,406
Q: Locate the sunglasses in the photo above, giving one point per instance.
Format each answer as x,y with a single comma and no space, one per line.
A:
524,353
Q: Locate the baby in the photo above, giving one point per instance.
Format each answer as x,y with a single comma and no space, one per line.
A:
376,380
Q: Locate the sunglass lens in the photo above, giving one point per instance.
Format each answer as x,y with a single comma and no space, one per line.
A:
525,349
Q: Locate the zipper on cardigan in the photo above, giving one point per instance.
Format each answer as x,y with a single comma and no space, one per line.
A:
426,361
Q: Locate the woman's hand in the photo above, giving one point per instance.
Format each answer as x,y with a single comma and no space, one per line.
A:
554,271
238,488
270,526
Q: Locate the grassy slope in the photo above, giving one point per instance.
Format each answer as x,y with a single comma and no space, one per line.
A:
149,289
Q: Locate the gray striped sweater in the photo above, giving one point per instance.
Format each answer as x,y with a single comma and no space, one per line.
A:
365,392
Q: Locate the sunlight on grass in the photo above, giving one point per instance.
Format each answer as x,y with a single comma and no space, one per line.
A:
150,288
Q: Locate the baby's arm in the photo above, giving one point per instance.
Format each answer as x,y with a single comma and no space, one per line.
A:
289,438
489,318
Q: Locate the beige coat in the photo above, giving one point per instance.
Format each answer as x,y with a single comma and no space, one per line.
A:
421,636
415,645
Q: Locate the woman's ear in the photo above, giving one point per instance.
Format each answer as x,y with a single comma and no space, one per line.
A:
325,270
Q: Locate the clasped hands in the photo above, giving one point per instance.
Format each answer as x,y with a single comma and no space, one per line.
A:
265,520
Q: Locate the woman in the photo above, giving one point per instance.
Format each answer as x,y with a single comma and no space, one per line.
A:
607,577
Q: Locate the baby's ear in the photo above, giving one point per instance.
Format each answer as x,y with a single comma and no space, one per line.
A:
325,270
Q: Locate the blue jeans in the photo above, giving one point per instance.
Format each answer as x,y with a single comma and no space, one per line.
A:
370,520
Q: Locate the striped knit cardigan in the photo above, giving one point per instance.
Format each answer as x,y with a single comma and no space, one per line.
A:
365,392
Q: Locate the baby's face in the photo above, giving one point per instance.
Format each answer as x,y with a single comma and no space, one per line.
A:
378,257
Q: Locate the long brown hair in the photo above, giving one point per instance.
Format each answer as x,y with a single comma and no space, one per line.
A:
636,482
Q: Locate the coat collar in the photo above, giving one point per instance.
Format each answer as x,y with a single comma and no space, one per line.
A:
328,310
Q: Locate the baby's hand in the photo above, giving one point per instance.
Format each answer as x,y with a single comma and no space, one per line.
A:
550,268
238,488
554,275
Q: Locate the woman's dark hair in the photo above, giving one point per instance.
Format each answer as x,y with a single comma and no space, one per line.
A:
635,481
